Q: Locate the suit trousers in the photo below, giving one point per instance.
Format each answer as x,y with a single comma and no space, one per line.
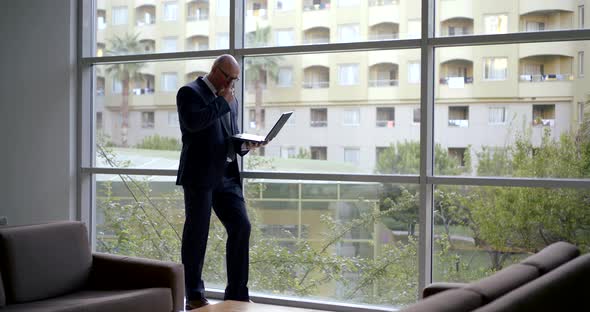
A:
227,201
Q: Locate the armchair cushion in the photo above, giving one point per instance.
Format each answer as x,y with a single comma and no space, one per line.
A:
149,299
437,287
2,295
503,281
43,261
455,300
552,256
120,272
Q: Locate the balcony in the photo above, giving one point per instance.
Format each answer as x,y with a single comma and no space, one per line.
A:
316,35
384,31
145,15
383,75
257,9
546,20
197,10
456,73
528,6
536,71
315,84
197,43
456,27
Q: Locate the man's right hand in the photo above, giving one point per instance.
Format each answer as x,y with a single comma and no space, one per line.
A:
227,93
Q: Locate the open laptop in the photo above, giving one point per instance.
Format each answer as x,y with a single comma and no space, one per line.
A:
246,137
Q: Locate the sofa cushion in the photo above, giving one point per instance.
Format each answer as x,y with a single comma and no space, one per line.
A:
148,299
43,261
455,300
552,256
565,288
503,281
2,295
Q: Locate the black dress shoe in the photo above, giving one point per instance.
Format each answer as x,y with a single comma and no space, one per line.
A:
195,304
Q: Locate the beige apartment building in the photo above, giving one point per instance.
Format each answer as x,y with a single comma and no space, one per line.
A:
349,106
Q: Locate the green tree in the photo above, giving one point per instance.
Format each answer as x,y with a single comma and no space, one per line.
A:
258,69
125,73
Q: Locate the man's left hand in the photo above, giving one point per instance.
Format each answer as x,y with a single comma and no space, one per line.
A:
252,145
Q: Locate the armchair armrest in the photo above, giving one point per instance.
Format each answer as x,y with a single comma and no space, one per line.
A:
437,287
120,272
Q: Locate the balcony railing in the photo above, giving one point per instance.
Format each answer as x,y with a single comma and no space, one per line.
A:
316,40
316,84
445,80
197,17
385,123
140,91
263,13
548,77
316,7
382,2
319,123
461,123
383,36
383,83
539,122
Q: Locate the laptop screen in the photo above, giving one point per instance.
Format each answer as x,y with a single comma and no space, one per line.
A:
278,125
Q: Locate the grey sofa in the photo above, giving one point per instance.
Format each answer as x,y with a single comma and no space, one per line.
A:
50,268
556,278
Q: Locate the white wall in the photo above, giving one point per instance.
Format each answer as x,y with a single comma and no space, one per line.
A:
37,110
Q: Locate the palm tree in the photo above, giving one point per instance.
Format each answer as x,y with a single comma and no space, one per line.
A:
257,68
125,73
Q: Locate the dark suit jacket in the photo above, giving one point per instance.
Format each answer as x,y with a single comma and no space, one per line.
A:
205,136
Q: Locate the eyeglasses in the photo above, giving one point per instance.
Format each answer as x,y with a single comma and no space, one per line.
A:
227,76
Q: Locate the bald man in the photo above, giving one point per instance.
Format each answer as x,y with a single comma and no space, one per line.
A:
209,174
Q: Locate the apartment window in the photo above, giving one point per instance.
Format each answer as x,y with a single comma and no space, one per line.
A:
222,40
285,77
98,120
459,116
495,68
581,63
544,115
496,24
348,74
352,155
252,118
348,32
169,44
416,116
169,82
458,153
414,29
117,86
414,72
497,115
348,3
351,117
285,5
385,117
319,152
170,11
119,15
147,120
580,112
581,17
173,119
285,37
319,117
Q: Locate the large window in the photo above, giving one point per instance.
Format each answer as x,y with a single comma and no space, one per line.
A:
389,161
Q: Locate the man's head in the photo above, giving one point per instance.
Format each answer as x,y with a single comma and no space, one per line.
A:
224,72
